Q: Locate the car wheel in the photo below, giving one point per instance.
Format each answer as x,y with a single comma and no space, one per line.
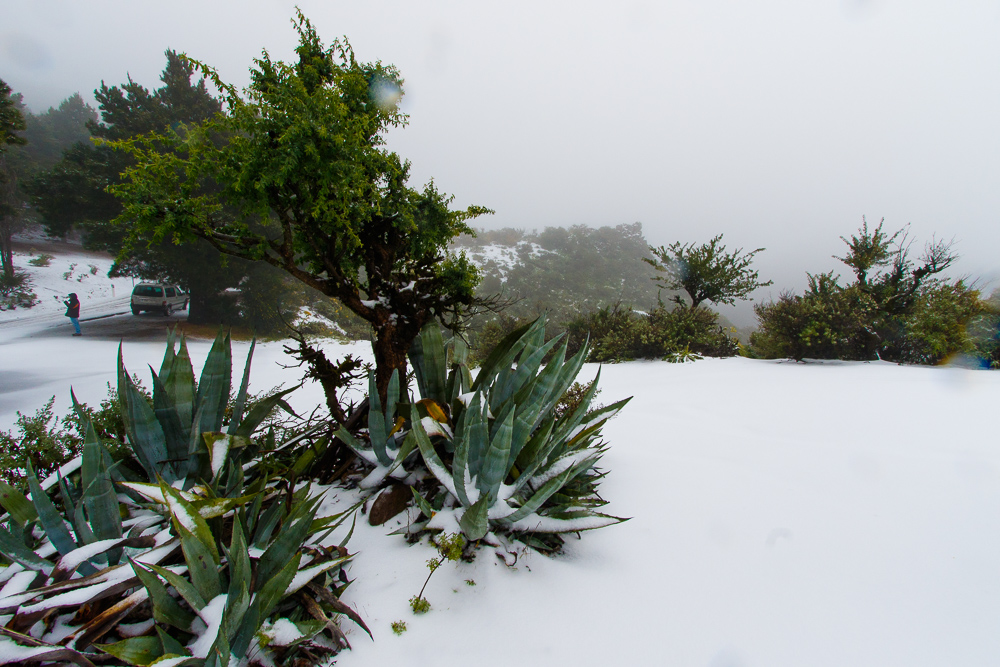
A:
168,310
135,311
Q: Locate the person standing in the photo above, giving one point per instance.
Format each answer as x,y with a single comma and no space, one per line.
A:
73,312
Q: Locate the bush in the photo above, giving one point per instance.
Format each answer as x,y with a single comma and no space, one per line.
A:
827,322
619,333
16,292
43,259
41,440
834,322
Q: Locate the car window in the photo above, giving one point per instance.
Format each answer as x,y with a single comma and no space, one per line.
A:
170,292
148,290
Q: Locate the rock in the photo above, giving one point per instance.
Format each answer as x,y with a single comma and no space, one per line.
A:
390,502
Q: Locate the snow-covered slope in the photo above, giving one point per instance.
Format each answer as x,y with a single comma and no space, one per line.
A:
783,515
81,272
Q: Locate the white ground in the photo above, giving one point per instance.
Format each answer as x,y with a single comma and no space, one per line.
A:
836,514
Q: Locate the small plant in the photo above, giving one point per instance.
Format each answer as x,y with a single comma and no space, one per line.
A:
419,605
93,269
69,274
16,292
450,547
398,627
682,356
470,582
43,259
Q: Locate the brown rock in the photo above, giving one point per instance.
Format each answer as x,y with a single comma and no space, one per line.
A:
390,502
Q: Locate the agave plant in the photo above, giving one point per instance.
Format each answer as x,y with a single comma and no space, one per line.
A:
504,460
205,563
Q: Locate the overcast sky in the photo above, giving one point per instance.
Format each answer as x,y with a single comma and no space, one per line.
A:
777,123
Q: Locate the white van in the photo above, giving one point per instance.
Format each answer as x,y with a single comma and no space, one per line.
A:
158,297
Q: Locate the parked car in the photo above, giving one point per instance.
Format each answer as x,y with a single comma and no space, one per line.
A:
158,297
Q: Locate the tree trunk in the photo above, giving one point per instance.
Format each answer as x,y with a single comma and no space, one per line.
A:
391,345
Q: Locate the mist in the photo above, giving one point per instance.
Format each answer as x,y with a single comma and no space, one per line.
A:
778,124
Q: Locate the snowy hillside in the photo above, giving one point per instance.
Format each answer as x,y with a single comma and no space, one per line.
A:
782,515
81,272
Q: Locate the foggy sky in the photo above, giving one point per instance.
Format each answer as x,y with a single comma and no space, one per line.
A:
777,123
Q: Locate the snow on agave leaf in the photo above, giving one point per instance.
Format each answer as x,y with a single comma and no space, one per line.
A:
211,614
303,577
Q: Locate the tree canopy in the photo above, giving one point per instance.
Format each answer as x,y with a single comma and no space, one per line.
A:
706,272
294,172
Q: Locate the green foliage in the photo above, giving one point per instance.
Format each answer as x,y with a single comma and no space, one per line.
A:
398,627
294,172
40,441
42,259
11,119
896,309
501,460
706,272
419,605
619,333
16,291
225,542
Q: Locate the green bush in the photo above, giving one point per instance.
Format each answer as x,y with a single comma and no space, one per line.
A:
16,292
43,259
620,333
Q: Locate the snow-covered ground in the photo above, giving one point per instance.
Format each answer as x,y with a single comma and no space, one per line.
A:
820,514
82,272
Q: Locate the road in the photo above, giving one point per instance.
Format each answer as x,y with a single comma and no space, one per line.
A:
112,320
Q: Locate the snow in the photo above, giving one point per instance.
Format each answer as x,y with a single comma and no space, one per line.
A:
783,514
211,614
83,273
281,633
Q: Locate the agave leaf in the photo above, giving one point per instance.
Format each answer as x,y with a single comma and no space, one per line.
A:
239,561
391,398
305,575
179,384
289,541
241,395
430,456
479,434
475,522
169,354
218,446
135,650
266,523
531,361
215,383
99,494
15,502
174,433
495,468
530,460
502,355
48,515
259,411
165,608
460,461
274,587
422,503
547,524
186,517
187,590
236,608
203,564
170,645
12,548
540,496
146,435
435,366
376,423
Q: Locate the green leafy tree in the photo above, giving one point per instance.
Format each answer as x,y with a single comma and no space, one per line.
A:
73,193
706,272
896,309
300,179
